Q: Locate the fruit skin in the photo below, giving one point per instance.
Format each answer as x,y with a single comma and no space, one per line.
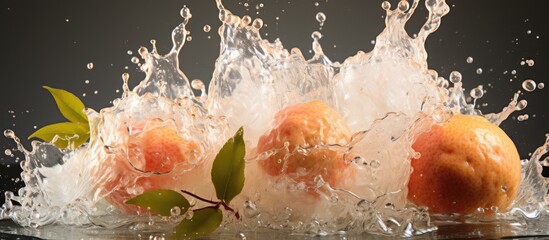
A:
307,125
465,164
156,150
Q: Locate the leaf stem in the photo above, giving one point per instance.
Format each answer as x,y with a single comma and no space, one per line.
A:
199,198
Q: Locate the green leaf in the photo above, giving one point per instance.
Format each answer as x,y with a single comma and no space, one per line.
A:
65,132
228,168
69,105
203,222
161,201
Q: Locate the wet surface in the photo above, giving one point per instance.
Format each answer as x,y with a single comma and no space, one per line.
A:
496,230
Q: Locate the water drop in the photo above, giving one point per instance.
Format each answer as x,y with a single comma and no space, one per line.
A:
541,85
90,65
530,62
403,6
529,85
175,211
529,32
186,13
386,5
316,35
95,92
207,28
189,38
523,117
257,24
469,60
67,20
375,164
321,17
455,77
135,60
87,82
197,84
514,72
129,52
246,4
479,71
521,105
316,4
7,152
477,92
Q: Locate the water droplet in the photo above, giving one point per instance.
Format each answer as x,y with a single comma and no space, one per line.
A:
67,20
135,60
529,32
246,4
321,17
207,28
541,85
529,85
129,52
90,65
514,72
386,5
197,84
246,20
479,70
530,62
469,60
186,13
522,104
189,38
523,117
175,211
316,4
455,77
477,92
403,6
316,35
257,24
87,82
7,152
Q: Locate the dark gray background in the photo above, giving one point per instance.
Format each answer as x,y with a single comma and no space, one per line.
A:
40,47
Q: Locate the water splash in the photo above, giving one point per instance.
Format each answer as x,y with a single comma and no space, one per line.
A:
388,96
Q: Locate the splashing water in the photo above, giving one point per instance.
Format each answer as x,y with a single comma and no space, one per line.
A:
388,97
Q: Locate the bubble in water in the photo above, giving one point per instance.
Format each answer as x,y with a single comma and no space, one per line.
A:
189,38
87,82
455,77
135,60
541,85
479,70
523,117
529,85
469,60
90,65
321,17
8,152
530,62
129,52
95,92
197,84
207,28
477,92
257,24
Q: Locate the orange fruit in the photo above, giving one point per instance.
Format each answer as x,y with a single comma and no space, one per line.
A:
466,164
154,153
307,125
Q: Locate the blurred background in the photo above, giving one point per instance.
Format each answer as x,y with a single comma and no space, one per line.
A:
53,42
